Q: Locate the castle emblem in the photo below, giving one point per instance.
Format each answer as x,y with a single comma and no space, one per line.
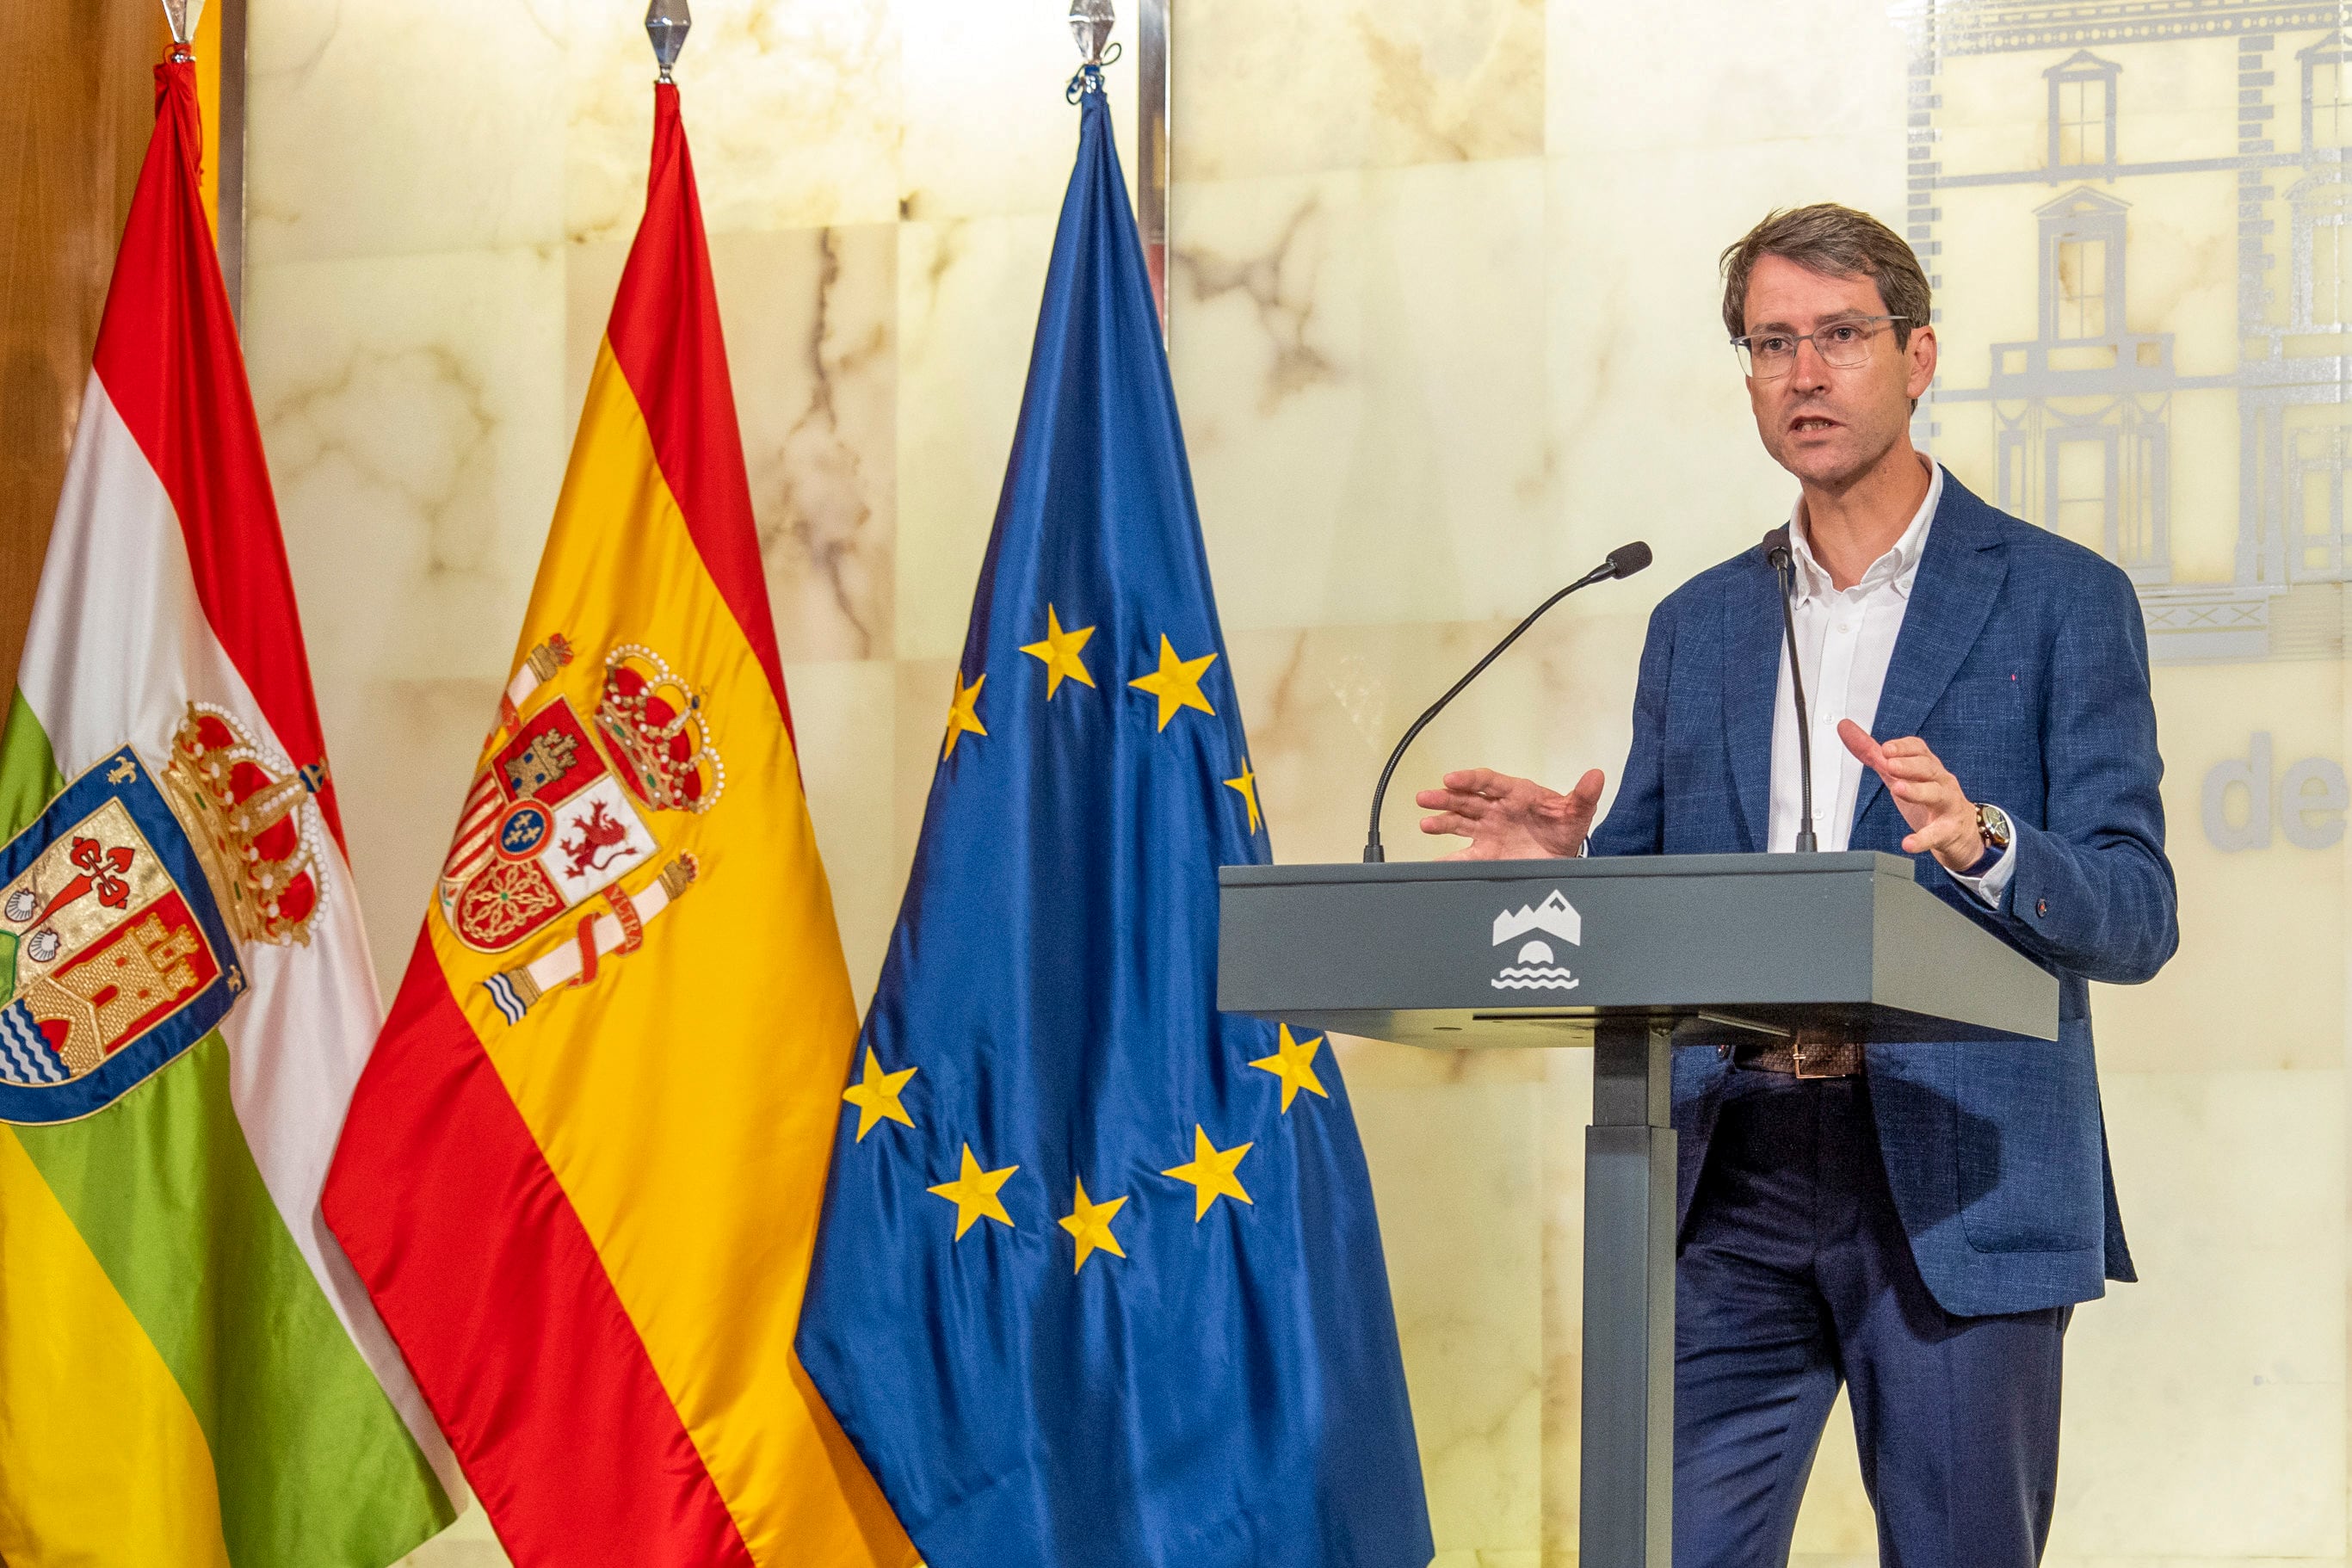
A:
563,808
117,910
1534,967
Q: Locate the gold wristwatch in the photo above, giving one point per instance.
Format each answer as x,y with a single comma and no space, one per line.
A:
1993,826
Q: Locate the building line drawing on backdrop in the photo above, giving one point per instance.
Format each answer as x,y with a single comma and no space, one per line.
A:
2081,420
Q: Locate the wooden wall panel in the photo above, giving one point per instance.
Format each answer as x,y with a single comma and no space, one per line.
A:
77,102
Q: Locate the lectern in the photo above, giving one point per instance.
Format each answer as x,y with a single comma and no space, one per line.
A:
1632,957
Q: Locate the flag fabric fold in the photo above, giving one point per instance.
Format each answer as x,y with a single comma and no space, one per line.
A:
582,1174
1099,1281
190,1371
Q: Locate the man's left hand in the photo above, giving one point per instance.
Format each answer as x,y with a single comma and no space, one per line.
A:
1943,819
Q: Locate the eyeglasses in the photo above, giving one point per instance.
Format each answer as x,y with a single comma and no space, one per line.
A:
1768,356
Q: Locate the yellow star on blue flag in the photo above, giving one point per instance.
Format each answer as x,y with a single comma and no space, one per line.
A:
1177,682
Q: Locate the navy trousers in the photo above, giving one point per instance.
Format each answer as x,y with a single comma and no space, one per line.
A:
1794,1277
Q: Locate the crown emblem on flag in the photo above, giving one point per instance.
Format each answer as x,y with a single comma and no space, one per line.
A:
244,812
654,720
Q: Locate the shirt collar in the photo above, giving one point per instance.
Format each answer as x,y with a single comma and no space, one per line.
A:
1899,566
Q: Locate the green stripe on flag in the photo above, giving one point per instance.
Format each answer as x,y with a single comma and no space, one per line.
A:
315,1466
28,773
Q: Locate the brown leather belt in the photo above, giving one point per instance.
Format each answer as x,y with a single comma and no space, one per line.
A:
1813,1053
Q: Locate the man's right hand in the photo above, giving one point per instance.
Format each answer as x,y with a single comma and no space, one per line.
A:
1511,819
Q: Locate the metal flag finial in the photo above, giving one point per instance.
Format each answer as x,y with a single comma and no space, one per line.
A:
184,15
667,22
1090,24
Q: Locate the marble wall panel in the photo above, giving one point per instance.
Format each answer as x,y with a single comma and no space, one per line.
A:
416,438
2207,489
791,111
1980,127
1306,86
1645,188
968,297
404,751
1325,705
988,132
1360,363
377,130
845,714
1996,303
592,273
2205,1404
416,442
1650,426
2184,277
2181,102
814,354
2259,981
1460,1195
1622,77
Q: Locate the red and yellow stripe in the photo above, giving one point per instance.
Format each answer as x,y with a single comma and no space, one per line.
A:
597,1223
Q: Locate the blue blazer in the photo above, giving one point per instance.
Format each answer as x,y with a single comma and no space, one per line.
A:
2023,664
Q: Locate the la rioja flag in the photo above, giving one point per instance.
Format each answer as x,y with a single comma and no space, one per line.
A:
190,1374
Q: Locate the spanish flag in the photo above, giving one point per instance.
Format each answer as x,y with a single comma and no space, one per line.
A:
582,1173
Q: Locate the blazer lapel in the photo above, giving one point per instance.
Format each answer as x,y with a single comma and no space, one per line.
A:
1959,577
1751,685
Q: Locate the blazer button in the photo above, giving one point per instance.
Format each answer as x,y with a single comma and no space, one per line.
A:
2041,908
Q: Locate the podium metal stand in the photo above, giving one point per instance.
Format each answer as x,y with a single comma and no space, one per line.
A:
1630,956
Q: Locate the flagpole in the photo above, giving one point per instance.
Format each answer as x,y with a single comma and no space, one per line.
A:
183,15
1090,24
666,25
229,183
1153,93
226,114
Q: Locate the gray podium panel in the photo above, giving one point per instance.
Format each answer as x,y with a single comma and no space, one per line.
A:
1632,957
1533,952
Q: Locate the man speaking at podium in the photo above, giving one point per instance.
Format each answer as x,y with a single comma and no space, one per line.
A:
1914,1221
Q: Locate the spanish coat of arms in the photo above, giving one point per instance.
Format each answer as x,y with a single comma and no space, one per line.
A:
563,808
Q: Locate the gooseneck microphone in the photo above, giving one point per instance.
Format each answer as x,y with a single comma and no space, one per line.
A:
1624,562
1776,550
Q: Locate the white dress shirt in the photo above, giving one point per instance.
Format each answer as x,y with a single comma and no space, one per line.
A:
1845,639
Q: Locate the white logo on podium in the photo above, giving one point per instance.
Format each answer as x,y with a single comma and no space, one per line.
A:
1536,967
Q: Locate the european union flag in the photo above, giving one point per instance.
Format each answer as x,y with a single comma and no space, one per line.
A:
1100,1283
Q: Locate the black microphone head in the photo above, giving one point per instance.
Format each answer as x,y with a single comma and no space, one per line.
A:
1628,559
1776,547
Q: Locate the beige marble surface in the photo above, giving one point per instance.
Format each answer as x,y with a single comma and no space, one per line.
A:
1445,330
1300,86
